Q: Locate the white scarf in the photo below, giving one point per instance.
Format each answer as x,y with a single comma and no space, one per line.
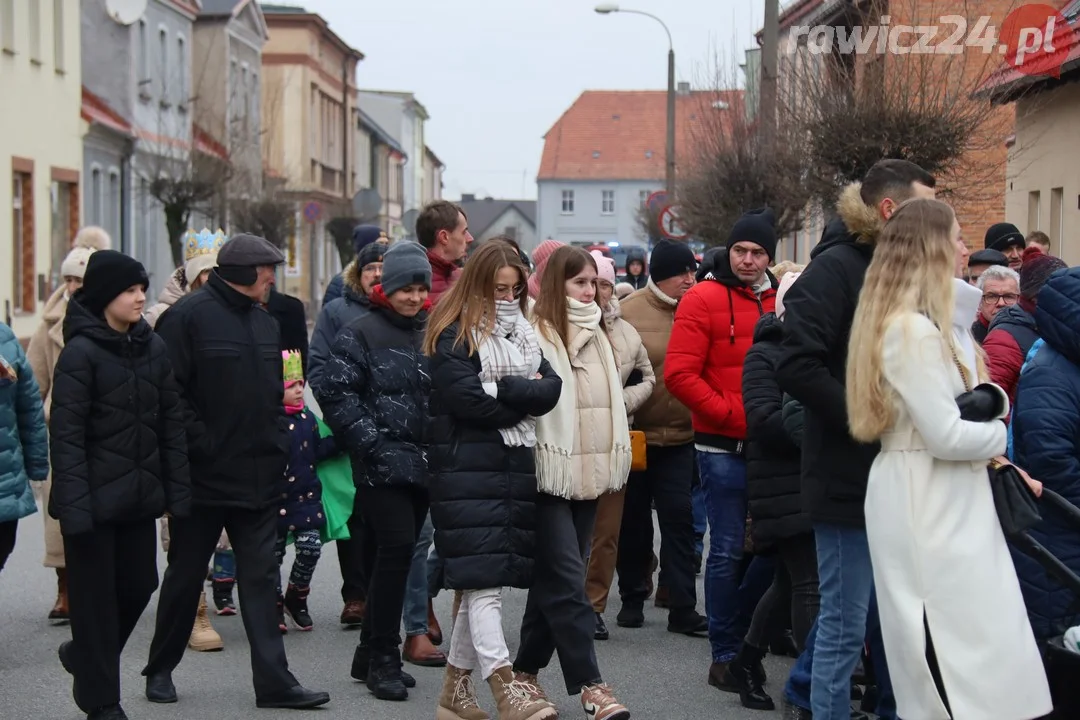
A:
555,431
510,349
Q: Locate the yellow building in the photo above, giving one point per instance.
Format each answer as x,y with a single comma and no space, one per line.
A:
40,152
309,116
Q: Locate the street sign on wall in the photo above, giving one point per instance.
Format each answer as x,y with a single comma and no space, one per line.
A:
312,212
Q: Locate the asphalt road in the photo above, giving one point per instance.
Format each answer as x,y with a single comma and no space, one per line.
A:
658,675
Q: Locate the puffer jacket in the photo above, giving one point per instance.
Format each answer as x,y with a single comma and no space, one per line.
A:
174,289
664,420
443,276
301,491
24,444
1046,443
46,344
772,456
714,327
350,305
374,396
635,370
483,496
1011,335
117,434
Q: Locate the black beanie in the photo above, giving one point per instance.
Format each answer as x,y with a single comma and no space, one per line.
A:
1002,236
670,258
370,253
758,227
108,274
242,275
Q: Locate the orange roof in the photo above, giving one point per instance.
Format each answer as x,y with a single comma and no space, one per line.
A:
94,109
621,135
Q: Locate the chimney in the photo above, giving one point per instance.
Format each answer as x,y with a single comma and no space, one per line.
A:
468,197
683,88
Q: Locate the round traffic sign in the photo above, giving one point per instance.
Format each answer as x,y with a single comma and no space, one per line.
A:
671,226
312,211
657,201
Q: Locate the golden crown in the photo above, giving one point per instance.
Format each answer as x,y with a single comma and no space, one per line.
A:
203,243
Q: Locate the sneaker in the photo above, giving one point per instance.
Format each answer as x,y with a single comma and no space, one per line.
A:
599,703
223,599
296,606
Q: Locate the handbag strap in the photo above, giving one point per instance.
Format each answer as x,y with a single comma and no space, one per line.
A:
960,367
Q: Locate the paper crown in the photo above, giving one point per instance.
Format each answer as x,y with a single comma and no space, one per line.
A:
294,365
203,243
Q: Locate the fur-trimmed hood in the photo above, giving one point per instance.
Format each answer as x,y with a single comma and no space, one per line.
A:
860,219
350,276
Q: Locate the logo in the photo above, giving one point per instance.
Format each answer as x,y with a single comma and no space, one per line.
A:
1036,40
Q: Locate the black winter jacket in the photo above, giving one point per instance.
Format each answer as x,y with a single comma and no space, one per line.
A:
335,315
226,354
819,310
772,457
117,442
483,497
292,320
374,396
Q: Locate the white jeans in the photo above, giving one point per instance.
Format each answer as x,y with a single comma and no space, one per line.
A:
477,640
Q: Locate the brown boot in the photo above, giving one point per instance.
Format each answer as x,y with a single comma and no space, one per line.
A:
458,698
419,651
518,699
60,609
203,636
434,632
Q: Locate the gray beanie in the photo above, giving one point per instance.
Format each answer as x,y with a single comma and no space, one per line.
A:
405,263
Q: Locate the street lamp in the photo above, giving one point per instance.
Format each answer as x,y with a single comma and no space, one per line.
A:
607,9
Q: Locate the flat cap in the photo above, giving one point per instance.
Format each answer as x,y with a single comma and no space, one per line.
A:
988,257
246,250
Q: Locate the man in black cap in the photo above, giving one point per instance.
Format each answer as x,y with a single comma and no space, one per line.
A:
979,260
1007,239
225,351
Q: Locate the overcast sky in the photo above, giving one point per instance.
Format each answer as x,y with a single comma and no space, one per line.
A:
495,75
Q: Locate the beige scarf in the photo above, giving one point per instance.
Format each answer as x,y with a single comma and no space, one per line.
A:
555,431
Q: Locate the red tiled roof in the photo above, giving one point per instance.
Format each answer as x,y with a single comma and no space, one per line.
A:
1002,81
94,109
207,145
621,134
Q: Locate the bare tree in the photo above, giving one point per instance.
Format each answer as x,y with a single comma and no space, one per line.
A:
268,216
341,230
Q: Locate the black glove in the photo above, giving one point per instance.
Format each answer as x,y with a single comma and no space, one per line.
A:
982,404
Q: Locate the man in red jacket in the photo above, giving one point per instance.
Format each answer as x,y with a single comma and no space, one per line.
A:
714,327
443,230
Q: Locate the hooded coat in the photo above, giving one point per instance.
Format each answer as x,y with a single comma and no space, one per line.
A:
1046,443
24,444
339,313
117,432
818,312
637,281
174,289
714,328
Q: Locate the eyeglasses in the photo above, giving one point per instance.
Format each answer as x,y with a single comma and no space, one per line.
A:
995,298
504,290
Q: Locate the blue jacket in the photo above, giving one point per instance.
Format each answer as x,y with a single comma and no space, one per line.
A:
334,316
24,444
301,490
1046,443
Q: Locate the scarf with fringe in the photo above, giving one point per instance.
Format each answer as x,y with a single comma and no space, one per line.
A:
510,349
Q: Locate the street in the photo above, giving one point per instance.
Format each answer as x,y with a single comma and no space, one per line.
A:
658,675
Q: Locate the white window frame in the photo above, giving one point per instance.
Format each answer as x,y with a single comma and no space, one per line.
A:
607,202
643,197
567,207
7,26
35,33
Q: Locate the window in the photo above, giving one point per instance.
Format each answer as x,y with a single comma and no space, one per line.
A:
143,59
60,194
58,35
1057,197
253,100
94,212
163,64
607,202
567,202
181,72
510,231
1034,211
242,96
7,26
113,203
643,197
35,33
22,226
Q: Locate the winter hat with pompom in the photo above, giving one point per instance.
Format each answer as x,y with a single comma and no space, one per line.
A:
1036,270
540,257
88,240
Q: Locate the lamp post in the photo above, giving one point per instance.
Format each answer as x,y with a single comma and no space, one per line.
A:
607,9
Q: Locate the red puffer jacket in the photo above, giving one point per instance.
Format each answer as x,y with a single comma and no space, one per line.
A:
714,327
443,276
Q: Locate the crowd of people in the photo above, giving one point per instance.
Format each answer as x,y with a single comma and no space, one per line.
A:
492,420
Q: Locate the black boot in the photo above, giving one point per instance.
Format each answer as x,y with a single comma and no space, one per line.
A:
632,614
223,597
384,676
751,692
362,660
281,615
783,645
601,631
296,605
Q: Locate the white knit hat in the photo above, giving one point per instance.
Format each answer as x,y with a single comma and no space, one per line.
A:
87,240
785,285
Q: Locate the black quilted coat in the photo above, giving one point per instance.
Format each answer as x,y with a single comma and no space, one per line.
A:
772,457
374,396
483,497
117,440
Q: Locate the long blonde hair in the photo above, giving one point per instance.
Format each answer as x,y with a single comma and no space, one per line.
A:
912,272
471,301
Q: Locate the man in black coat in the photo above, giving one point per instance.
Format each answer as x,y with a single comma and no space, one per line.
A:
289,312
226,354
819,310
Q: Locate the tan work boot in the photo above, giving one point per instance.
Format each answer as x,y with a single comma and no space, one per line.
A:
203,636
458,698
517,699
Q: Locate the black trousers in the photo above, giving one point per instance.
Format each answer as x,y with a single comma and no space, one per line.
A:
112,572
192,541
666,484
558,615
351,558
393,517
8,530
796,578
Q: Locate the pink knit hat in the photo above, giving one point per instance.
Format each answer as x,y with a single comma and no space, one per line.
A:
605,266
540,258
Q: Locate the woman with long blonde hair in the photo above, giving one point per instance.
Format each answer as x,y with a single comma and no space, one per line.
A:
489,383
954,624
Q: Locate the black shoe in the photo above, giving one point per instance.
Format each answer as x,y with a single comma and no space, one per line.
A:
687,623
720,678
160,688
223,599
632,615
109,712
751,692
784,645
601,632
296,606
297,697
385,676
794,712
361,662
65,661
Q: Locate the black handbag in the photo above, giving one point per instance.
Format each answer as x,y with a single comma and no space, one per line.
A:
1016,505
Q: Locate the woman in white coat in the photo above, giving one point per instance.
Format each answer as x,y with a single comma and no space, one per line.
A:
956,632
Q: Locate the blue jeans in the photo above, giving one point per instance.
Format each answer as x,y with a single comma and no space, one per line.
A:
414,612
701,518
224,566
797,689
723,485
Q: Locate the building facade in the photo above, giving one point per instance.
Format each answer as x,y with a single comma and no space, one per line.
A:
41,150
490,218
381,167
432,186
